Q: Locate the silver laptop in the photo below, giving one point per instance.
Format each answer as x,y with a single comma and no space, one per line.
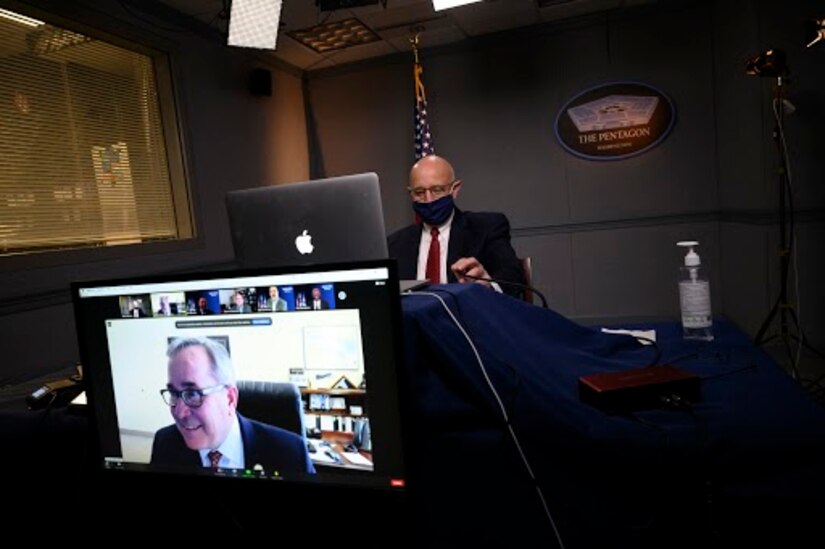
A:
331,220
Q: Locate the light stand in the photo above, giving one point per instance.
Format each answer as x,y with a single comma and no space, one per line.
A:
772,64
814,32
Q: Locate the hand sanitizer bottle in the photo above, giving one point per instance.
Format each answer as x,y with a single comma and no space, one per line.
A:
694,296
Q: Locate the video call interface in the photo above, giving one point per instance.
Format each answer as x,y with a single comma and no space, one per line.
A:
330,334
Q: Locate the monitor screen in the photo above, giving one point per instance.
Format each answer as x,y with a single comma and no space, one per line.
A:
278,375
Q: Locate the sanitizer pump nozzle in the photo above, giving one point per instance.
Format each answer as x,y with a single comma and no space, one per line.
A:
692,259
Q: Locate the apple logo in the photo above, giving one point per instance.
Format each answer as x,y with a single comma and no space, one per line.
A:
304,243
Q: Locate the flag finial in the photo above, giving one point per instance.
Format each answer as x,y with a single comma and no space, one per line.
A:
414,40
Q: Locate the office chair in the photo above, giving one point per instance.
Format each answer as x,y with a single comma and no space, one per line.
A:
527,266
277,404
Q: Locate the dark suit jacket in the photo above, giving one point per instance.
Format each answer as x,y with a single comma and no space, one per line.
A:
483,235
324,303
273,447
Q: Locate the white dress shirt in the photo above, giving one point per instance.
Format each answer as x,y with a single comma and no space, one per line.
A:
232,456
443,242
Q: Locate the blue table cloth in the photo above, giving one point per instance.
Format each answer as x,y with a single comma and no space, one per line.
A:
752,446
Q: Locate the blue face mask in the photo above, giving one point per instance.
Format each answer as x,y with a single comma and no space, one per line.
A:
435,212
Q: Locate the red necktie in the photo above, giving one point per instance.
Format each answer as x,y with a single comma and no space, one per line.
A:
433,272
214,458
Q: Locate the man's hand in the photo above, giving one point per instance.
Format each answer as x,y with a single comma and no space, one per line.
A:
467,267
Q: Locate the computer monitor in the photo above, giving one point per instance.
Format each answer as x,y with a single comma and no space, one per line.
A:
290,373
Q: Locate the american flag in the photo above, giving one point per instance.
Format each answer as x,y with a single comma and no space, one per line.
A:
423,137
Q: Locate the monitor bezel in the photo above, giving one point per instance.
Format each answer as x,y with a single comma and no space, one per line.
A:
294,487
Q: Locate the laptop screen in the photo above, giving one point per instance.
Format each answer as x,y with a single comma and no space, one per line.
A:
275,375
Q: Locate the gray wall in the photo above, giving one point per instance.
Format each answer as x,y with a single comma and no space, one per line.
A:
232,140
602,234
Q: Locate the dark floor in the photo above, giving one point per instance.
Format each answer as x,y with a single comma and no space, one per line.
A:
803,363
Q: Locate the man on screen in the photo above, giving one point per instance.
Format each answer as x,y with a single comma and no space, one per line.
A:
276,302
208,431
136,309
241,306
165,308
203,307
318,303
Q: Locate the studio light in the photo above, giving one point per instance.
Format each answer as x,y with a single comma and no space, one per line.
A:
814,31
17,18
771,63
254,23
439,5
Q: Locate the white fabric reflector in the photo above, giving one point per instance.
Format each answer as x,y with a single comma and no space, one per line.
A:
254,23
439,5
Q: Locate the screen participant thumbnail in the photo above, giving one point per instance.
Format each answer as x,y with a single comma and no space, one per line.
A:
276,299
168,303
135,306
203,303
316,297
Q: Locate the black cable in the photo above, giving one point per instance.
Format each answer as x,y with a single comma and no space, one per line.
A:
633,417
683,357
651,342
509,283
221,501
215,18
320,13
718,356
504,411
750,366
680,404
48,408
661,487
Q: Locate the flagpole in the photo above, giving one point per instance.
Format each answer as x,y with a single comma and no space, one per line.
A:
423,138
414,43
417,70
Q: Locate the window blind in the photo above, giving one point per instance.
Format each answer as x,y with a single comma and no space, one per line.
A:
83,157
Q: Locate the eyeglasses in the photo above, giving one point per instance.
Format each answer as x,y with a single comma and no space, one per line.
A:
420,193
191,397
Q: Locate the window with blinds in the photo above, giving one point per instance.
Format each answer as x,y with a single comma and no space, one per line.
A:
84,156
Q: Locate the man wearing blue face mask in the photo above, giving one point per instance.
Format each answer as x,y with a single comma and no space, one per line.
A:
450,245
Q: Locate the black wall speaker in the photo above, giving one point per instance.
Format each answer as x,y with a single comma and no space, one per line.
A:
260,82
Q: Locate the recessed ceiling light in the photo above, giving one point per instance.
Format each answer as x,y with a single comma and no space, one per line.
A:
335,36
